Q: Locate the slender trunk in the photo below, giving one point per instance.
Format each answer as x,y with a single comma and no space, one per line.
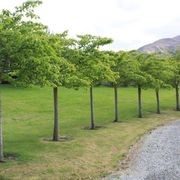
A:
158,101
177,98
1,134
116,103
92,107
139,102
55,132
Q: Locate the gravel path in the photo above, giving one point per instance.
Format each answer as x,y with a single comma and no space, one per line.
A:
157,158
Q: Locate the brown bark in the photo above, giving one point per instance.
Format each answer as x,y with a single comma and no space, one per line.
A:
56,128
92,126
1,132
177,98
116,104
139,102
158,101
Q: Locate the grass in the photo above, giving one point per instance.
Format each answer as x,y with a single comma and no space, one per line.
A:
28,119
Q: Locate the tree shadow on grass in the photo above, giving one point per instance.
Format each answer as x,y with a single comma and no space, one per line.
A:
9,156
95,128
60,139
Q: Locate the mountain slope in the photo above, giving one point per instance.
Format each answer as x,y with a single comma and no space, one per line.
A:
162,45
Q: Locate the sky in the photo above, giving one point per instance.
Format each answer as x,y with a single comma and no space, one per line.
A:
130,23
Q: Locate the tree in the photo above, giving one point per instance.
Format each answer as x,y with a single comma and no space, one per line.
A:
116,69
158,68
130,69
92,64
68,76
175,78
122,71
1,133
12,29
138,75
28,56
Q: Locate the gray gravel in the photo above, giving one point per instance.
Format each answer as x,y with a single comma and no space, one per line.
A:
157,158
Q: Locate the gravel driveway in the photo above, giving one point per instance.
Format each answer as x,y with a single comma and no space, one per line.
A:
157,158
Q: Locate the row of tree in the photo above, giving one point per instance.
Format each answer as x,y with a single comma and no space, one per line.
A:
31,55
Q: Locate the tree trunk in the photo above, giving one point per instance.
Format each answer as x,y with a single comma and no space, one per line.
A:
177,98
139,102
116,103
55,132
92,108
1,133
158,102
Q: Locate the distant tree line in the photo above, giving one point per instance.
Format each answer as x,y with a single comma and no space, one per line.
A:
34,56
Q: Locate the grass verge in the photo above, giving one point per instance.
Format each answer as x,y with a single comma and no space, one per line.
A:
28,118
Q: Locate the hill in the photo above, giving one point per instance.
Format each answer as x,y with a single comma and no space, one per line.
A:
162,46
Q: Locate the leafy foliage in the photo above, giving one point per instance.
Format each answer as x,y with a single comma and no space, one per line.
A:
28,53
93,64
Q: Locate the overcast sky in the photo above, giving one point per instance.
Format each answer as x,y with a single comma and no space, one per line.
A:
131,23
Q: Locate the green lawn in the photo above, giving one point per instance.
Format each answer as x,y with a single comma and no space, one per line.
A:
89,154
